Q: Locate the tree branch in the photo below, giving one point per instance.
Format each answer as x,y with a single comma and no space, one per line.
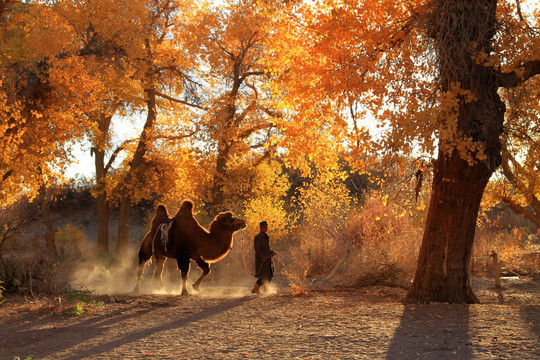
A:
179,101
527,70
251,130
250,73
527,213
7,174
116,152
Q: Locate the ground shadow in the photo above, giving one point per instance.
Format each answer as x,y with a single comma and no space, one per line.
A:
36,327
172,325
530,314
424,333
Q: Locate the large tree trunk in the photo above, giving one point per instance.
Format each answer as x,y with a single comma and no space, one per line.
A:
442,274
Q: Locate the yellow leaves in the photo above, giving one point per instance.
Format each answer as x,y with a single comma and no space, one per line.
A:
271,209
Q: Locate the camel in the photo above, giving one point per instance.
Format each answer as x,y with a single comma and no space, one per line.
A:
187,240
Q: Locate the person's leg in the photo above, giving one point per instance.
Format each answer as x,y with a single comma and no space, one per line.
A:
257,285
266,282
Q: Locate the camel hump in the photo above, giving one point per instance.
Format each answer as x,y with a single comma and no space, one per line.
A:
162,214
186,210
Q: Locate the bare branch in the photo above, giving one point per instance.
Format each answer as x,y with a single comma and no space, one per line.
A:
251,130
527,213
271,112
7,174
179,101
251,73
116,152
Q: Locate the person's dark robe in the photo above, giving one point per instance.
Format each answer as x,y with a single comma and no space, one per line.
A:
263,258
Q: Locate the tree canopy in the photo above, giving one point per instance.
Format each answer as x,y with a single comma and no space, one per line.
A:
225,87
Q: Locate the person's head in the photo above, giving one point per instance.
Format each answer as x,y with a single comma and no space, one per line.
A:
263,225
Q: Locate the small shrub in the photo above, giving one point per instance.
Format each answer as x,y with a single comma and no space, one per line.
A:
33,271
77,309
80,295
71,242
83,300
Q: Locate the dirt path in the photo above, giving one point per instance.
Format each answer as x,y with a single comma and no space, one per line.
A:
229,323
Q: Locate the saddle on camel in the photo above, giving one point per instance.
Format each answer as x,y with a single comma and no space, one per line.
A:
183,238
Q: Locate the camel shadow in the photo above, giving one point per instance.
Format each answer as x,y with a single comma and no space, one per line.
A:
170,326
431,331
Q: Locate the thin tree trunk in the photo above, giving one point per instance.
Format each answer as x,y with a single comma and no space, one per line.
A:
47,222
220,177
136,165
103,215
124,214
102,206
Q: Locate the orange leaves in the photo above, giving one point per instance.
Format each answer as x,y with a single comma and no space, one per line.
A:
335,55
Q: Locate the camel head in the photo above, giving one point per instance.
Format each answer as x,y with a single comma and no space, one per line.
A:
227,220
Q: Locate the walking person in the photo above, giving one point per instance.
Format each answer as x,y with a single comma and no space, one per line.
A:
263,258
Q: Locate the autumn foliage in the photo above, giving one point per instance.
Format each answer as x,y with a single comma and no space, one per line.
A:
275,110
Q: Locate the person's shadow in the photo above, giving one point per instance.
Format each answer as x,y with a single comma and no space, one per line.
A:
426,332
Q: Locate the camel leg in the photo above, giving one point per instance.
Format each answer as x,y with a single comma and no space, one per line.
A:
183,265
160,261
205,267
139,275
143,259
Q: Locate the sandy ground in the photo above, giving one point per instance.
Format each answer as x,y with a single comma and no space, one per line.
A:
230,323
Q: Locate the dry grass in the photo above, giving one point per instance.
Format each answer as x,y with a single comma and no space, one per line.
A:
373,247
516,254
34,272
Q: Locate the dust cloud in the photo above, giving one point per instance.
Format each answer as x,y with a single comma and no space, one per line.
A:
120,276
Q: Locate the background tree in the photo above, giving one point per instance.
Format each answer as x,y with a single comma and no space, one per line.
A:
161,65
41,116
236,127
517,184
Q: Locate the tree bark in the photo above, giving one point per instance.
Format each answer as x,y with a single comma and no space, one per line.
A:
103,215
102,206
47,222
442,274
220,177
137,164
